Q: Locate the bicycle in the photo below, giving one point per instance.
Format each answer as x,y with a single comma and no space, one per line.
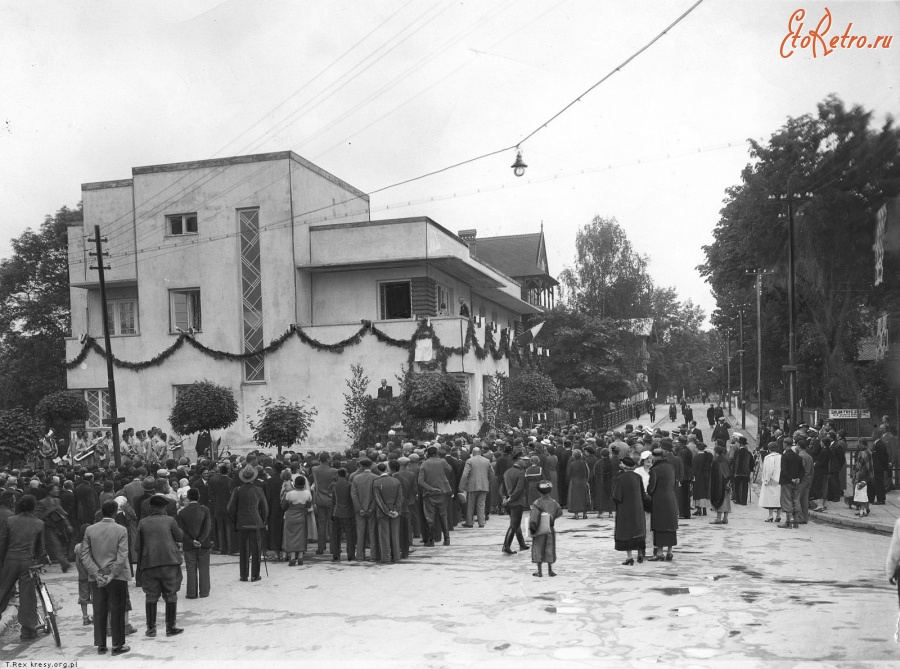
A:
46,609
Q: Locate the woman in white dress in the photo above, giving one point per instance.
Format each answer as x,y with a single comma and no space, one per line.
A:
770,491
643,468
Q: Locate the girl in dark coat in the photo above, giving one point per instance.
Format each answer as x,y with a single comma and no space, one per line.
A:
720,487
664,506
701,468
579,492
631,525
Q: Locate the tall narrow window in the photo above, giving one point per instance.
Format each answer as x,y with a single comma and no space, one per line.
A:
251,294
122,316
98,408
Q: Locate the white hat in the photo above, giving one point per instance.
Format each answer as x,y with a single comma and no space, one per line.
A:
645,455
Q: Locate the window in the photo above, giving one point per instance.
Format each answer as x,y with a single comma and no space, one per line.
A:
394,299
121,315
444,301
184,310
181,224
251,294
98,408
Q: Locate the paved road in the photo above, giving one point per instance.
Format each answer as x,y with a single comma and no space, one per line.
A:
745,591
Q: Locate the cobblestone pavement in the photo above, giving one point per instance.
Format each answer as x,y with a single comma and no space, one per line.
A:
742,592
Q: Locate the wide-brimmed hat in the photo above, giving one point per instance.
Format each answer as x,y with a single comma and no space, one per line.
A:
159,500
248,474
149,484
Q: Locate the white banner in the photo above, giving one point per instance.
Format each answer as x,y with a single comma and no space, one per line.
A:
424,350
847,413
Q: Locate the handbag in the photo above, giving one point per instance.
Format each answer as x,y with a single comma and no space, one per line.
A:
543,525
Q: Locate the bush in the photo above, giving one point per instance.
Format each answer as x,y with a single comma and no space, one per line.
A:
203,405
281,424
532,392
62,408
19,436
433,396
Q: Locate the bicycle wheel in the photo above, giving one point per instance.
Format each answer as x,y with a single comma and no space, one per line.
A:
50,614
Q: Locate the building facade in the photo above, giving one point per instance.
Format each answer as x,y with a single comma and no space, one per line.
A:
235,253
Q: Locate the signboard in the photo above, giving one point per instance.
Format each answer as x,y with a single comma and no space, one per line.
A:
847,413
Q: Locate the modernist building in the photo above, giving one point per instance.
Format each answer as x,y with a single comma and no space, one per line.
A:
235,252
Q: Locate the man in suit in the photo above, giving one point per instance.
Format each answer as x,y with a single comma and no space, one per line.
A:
385,391
201,484
323,476
87,501
711,416
434,486
400,471
742,466
515,501
21,546
504,461
248,508
195,522
343,517
791,475
881,463
220,487
104,555
684,453
389,503
806,481
364,507
696,431
720,431
476,481
159,564
456,466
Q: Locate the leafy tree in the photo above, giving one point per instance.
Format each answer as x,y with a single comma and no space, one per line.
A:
203,405
59,410
19,436
433,396
532,392
355,402
589,352
576,399
850,169
34,312
282,423
610,278
877,391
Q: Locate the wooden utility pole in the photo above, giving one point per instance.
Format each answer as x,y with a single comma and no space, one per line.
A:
759,273
741,351
114,419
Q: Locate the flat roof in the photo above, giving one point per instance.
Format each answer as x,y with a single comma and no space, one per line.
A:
223,162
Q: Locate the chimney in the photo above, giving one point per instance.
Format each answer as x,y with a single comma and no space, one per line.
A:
468,236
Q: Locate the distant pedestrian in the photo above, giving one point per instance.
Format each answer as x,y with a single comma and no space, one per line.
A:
541,526
863,476
791,475
577,475
770,489
701,470
720,486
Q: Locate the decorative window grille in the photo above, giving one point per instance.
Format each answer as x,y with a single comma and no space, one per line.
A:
98,408
251,294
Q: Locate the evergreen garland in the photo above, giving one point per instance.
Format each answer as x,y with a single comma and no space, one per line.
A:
424,330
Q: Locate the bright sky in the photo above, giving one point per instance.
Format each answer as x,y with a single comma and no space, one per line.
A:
384,91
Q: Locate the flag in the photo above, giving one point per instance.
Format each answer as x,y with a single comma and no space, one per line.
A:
528,336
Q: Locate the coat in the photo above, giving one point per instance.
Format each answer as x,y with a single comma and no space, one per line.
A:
770,489
631,522
361,493
434,476
701,469
248,507
195,521
514,487
476,475
87,503
664,510
388,493
719,481
579,492
156,541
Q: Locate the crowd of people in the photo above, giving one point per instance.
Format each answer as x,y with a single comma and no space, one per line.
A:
156,519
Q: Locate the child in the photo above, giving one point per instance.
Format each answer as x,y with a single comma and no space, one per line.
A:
84,586
543,546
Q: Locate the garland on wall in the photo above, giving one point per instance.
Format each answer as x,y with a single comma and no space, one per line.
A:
424,330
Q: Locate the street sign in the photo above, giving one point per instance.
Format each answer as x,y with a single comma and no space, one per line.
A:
847,413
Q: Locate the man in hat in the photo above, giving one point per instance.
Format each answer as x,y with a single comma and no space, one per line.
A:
21,546
159,563
720,431
434,483
516,501
248,508
476,481
742,466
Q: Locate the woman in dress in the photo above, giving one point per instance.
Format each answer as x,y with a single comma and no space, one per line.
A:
543,546
296,504
181,493
603,473
533,475
770,490
701,470
664,507
631,524
643,468
577,476
720,486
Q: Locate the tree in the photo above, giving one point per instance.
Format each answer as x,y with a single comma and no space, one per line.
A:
433,396
589,352
19,436
203,405
532,392
576,399
355,402
609,278
281,424
59,410
850,169
34,312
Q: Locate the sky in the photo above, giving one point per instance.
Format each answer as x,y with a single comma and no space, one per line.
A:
381,92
